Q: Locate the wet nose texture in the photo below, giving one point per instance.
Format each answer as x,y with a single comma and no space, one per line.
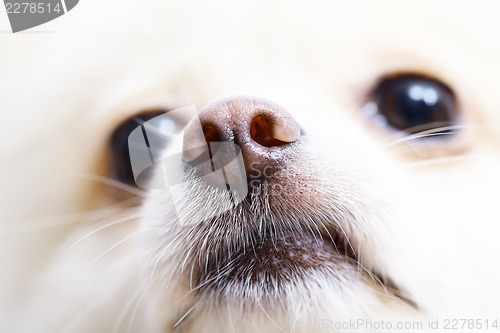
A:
264,131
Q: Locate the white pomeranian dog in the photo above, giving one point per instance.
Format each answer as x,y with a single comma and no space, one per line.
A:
326,166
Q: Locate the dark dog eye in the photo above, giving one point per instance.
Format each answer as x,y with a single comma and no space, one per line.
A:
412,103
121,168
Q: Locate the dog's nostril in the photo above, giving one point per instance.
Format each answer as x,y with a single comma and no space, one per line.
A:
262,132
211,134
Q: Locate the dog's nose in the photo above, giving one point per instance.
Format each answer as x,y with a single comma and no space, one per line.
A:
264,132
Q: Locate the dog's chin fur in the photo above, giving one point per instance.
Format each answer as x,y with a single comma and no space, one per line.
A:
317,227
370,225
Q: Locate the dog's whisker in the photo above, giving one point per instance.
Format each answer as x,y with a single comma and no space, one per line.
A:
269,317
118,243
133,315
164,250
185,315
118,221
66,219
439,161
228,307
436,132
111,182
136,297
